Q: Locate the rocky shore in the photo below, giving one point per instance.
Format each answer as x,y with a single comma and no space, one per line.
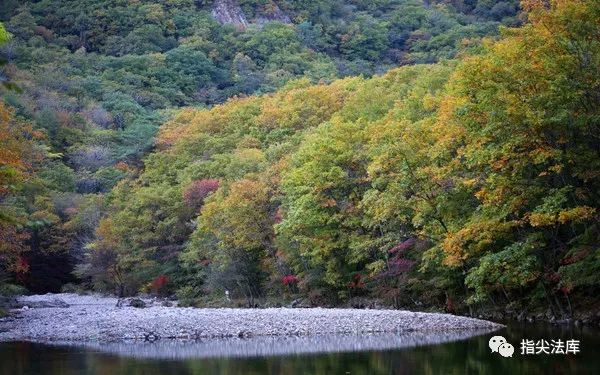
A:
71,317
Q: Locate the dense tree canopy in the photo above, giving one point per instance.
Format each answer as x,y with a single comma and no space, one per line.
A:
426,185
463,181
97,78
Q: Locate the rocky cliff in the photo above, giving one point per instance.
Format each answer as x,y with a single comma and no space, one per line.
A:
230,12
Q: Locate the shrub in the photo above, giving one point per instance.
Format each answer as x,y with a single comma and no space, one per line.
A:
188,296
73,288
11,290
159,285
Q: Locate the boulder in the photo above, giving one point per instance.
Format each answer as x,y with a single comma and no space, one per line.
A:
9,303
229,12
299,304
137,303
53,303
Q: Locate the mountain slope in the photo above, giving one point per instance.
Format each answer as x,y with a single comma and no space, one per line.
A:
459,185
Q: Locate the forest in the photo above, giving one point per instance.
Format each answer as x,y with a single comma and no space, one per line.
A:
429,155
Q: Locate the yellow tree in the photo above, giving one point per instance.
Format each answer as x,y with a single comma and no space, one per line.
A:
519,129
17,154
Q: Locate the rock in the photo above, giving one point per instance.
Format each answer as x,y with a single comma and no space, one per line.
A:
9,303
358,303
497,316
167,304
229,12
137,303
244,334
151,336
299,304
52,303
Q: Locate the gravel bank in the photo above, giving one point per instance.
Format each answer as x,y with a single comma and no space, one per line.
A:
95,318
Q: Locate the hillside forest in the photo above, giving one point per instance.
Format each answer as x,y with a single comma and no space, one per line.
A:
429,155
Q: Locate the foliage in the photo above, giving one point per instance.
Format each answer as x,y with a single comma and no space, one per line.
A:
525,146
473,179
453,184
195,193
95,79
17,153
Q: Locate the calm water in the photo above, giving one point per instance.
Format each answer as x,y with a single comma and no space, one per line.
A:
412,354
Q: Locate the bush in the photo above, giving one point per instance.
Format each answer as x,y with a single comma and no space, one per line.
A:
188,296
159,285
10,290
73,288
137,303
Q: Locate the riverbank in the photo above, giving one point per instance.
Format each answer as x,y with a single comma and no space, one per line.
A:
96,318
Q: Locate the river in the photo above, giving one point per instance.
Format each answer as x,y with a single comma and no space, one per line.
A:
427,354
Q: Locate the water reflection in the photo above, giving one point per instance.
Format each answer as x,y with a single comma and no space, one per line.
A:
275,346
470,355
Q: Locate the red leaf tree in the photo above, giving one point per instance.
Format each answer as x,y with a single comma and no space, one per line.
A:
195,193
159,285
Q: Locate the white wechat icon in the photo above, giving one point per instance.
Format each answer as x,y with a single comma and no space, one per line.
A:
506,350
499,344
495,343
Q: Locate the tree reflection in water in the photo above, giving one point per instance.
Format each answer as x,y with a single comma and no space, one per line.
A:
408,353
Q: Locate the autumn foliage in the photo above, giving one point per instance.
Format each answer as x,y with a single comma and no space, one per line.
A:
159,284
17,155
195,193
453,185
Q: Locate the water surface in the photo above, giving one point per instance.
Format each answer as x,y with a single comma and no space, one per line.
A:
409,353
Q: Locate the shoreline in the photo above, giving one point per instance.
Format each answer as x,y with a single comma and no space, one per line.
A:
96,318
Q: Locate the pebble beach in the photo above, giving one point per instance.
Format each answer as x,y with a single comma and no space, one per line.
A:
97,318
